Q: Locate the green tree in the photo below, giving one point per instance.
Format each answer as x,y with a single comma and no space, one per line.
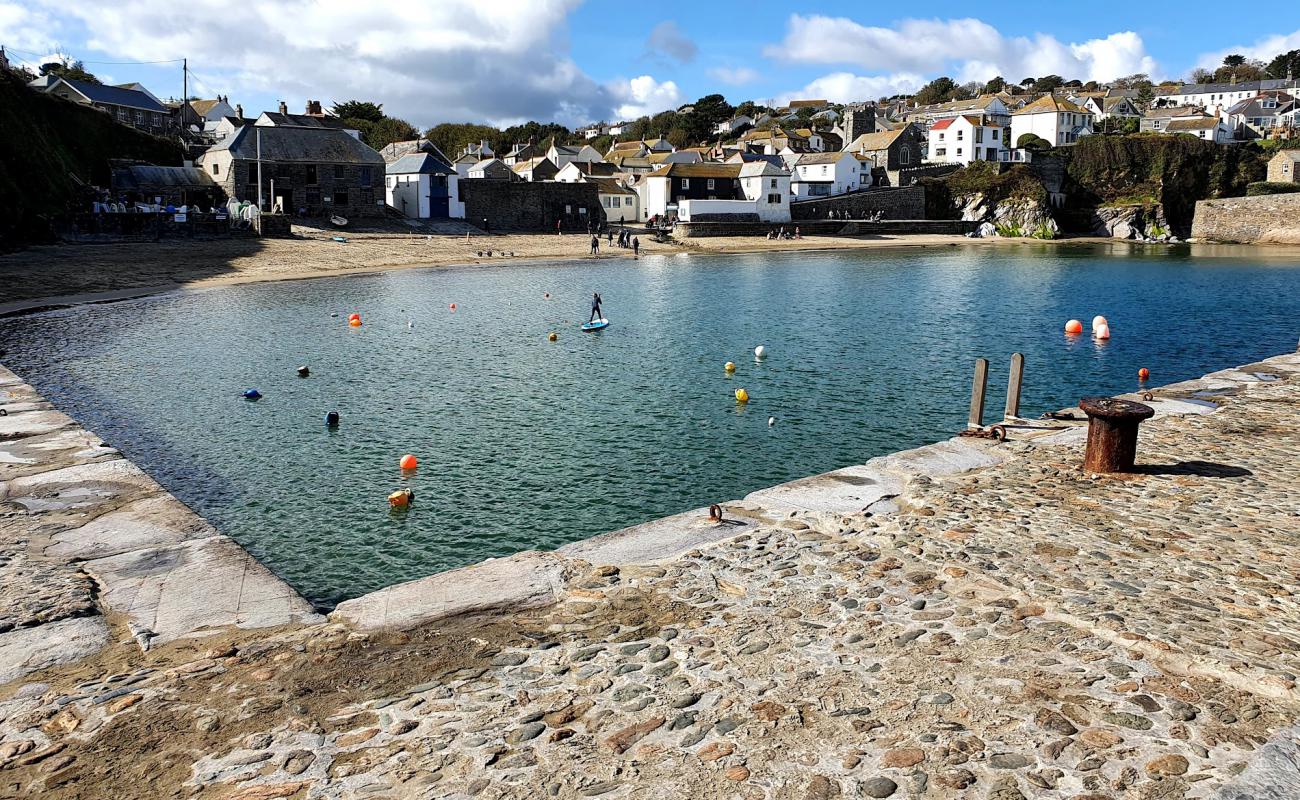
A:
1245,71
72,70
1031,141
452,137
1202,76
1048,82
939,90
359,109
1234,60
1285,65
678,138
708,112
995,85
388,130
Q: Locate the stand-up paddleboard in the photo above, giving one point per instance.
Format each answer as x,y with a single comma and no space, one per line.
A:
595,325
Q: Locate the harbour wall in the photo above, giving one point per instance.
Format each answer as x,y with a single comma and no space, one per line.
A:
1266,219
895,203
828,227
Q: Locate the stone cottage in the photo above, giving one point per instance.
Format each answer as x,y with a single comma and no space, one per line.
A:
304,171
886,155
1284,167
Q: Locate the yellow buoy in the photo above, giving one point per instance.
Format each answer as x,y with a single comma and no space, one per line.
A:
730,366
401,498
742,396
553,337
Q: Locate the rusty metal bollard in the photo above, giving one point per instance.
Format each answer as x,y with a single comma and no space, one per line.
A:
1112,433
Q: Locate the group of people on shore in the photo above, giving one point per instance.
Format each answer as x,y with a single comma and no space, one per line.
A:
783,234
625,240
875,216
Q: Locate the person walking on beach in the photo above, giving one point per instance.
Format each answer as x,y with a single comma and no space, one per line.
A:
557,227
595,307
636,247
595,245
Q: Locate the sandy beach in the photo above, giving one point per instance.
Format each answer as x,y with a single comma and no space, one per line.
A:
69,273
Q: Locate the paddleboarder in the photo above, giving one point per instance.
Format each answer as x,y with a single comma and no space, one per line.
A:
595,307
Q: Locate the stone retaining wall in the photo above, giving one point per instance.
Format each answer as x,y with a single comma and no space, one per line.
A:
525,206
907,202
826,227
1273,219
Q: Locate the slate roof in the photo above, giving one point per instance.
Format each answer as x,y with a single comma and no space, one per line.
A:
418,163
760,169
304,121
609,186
1221,88
820,158
139,176
202,107
321,145
114,95
881,140
594,169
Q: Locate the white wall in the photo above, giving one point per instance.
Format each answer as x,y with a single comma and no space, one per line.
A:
628,209
963,142
1052,126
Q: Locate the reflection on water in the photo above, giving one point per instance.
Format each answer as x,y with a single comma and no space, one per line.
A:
524,443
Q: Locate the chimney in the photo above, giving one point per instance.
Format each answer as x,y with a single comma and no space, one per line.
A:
313,109
284,107
239,111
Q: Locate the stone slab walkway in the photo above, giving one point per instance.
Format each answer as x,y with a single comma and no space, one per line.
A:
85,533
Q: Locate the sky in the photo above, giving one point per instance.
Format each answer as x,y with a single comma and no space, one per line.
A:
574,62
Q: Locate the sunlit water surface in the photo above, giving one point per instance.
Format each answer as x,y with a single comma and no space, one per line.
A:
524,443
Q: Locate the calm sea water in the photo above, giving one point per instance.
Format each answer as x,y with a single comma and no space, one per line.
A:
524,443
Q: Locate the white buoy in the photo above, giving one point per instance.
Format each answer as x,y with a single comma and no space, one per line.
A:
410,323
771,421
760,351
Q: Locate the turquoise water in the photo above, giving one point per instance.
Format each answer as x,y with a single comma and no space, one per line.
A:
524,443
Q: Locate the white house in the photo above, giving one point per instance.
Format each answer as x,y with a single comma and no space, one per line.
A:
617,128
621,204
577,171
488,168
422,187
823,174
561,154
1258,117
1107,107
1058,121
990,106
767,186
961,140
1211,129
1219,97
729,126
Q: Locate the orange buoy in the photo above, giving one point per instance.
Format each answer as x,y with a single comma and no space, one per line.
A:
1102,331
356,323
353,316
553,336
408,462
1098,321
1074,326
401,498
1143,374
742,396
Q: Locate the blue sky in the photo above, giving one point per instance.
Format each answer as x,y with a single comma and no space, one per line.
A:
575,61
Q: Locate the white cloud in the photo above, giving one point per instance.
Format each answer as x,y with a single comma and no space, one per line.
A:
734,76
24,28
971,49
845,87
666,39
451,60
644,95
1263,50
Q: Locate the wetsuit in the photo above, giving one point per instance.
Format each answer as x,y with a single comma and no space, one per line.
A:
595,309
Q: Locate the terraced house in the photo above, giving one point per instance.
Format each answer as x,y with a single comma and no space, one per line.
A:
129,105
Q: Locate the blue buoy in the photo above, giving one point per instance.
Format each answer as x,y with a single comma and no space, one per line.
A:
252,394
332,419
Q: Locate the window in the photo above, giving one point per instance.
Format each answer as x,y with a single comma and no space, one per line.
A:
959,152
311,175
961,135
686,183
250,192
774,199
941,137
365,176
904,156
338,172
139,117
774,183
216,169
710,186
995,134
941,151
341,197
824,170
604,201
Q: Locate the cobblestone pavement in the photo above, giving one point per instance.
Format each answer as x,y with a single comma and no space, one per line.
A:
1024,630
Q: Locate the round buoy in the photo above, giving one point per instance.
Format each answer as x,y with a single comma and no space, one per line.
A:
356,323
1143,374
452,306
408,461
742,396
332,419
1102,331
303,371
1074,326
771,421
353,315
252,394
1098,321
410,323
730,366
553,336
401,498
760,351
546,295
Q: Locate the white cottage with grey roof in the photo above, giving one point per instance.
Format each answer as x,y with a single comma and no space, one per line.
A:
423,187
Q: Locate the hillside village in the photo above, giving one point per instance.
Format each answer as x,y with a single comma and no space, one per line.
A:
706,162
